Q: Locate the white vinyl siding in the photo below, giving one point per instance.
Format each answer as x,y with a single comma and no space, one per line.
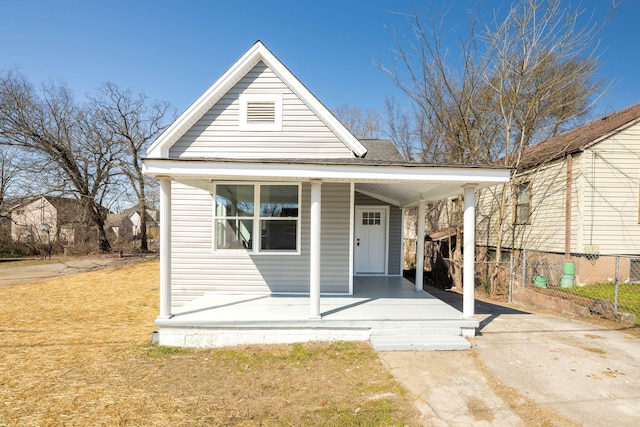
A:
197,270
218,135
394,233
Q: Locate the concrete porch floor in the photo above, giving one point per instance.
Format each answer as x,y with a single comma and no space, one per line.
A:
387,311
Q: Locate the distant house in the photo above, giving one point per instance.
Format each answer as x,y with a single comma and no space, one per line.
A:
135,218
576,194
43,217
120,227
125,226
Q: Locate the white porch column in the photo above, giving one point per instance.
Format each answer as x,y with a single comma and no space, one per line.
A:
165,247
315,250
469,252
420,246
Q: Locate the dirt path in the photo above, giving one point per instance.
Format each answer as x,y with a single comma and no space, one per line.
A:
13,273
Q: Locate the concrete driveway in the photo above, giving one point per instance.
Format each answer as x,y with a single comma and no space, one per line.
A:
526,368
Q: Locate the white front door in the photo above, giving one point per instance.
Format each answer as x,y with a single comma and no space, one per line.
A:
370,240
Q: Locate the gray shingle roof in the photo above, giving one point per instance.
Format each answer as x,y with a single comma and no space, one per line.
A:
580,138
381,149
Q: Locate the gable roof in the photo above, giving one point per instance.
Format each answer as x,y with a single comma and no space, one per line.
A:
58,202
257,53
580,138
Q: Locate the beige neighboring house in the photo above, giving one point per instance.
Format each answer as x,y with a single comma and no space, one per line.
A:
576,196
44,217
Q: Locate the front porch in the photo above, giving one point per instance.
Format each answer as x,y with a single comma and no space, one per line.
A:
387,311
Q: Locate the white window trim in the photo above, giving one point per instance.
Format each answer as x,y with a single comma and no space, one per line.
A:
246,98
256,250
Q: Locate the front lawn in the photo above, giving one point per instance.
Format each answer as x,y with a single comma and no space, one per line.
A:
75,352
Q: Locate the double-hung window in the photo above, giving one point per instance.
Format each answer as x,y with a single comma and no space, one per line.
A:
257,217
522,203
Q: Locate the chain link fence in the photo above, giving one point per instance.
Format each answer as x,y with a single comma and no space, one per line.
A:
607,286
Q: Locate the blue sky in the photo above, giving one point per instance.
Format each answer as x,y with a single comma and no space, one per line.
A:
174,50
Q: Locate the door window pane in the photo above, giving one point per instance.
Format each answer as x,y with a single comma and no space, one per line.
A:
371,218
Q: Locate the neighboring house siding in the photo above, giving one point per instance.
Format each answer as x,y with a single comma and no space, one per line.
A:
217,133
197,270
26,220
546,229
548,195
394,232
611,172
604,202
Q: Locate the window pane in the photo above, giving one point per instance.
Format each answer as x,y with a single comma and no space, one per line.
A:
234,233
524,193
278,234
234,200
279,201
522,214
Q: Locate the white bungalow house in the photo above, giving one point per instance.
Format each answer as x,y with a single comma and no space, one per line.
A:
265,194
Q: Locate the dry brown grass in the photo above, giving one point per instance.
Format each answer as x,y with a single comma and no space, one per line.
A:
74,352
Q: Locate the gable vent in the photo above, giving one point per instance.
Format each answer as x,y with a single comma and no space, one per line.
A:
261,112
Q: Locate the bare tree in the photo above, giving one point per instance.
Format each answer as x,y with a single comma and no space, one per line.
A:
53,129
8,172
400,129
523,78
132,123
363,124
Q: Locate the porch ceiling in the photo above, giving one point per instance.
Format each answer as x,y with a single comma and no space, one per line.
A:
410,193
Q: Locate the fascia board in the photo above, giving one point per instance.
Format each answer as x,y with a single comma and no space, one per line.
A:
345,173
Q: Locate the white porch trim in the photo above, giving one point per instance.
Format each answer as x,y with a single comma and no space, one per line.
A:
299,170
469,252
352,212
420,245
165,247
315,249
